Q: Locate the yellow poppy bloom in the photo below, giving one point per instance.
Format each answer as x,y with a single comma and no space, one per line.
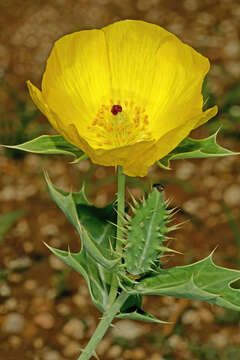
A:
126,94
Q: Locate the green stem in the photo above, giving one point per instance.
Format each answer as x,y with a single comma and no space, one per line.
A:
120,209
120,213
104,324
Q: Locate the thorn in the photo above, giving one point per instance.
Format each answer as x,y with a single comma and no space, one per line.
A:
128,217
128,245
166,249
133,209
135,202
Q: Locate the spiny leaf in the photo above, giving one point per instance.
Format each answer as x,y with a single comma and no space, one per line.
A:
145,234
140,315
132,309
191,148
97,279
67,204
50,144
202,280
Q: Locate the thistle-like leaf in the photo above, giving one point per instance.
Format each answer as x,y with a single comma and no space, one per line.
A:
97,278
202,280
132,309
146,233
95,233
50,144
191,148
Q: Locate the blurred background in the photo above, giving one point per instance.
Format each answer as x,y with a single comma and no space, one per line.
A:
45,309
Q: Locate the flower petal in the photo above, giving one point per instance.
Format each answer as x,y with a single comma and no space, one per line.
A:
139,163
132,46
38,100
176,90
153,68
77,80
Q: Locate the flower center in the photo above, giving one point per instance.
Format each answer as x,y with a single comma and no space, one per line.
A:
119,125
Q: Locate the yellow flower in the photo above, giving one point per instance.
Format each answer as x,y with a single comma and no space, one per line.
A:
126,94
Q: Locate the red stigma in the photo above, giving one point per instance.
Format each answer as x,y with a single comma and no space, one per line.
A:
116,109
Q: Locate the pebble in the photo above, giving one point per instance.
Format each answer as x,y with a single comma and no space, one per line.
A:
72,349
15,278
15,341
190,5
194,205
84,165
232,48
30,284
128,329
214,208
144,5
177,342
74,328
13,323
114,351
20,263
220,339
56,263
100,200
45,320
191,317
62,339
28,247
22,229
52,355
139,354
79,300
156,356
11,304
205,315
185,170
49,230
5,290
232,195
63,309
210,181
103,346
38,343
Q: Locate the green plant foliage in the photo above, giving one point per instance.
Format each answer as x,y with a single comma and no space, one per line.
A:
7,220
145,234
96,261
100,251
50,144
191,149
202,280
95,275
90,261
132,309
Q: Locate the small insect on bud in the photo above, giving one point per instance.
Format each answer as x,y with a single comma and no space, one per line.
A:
159,187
